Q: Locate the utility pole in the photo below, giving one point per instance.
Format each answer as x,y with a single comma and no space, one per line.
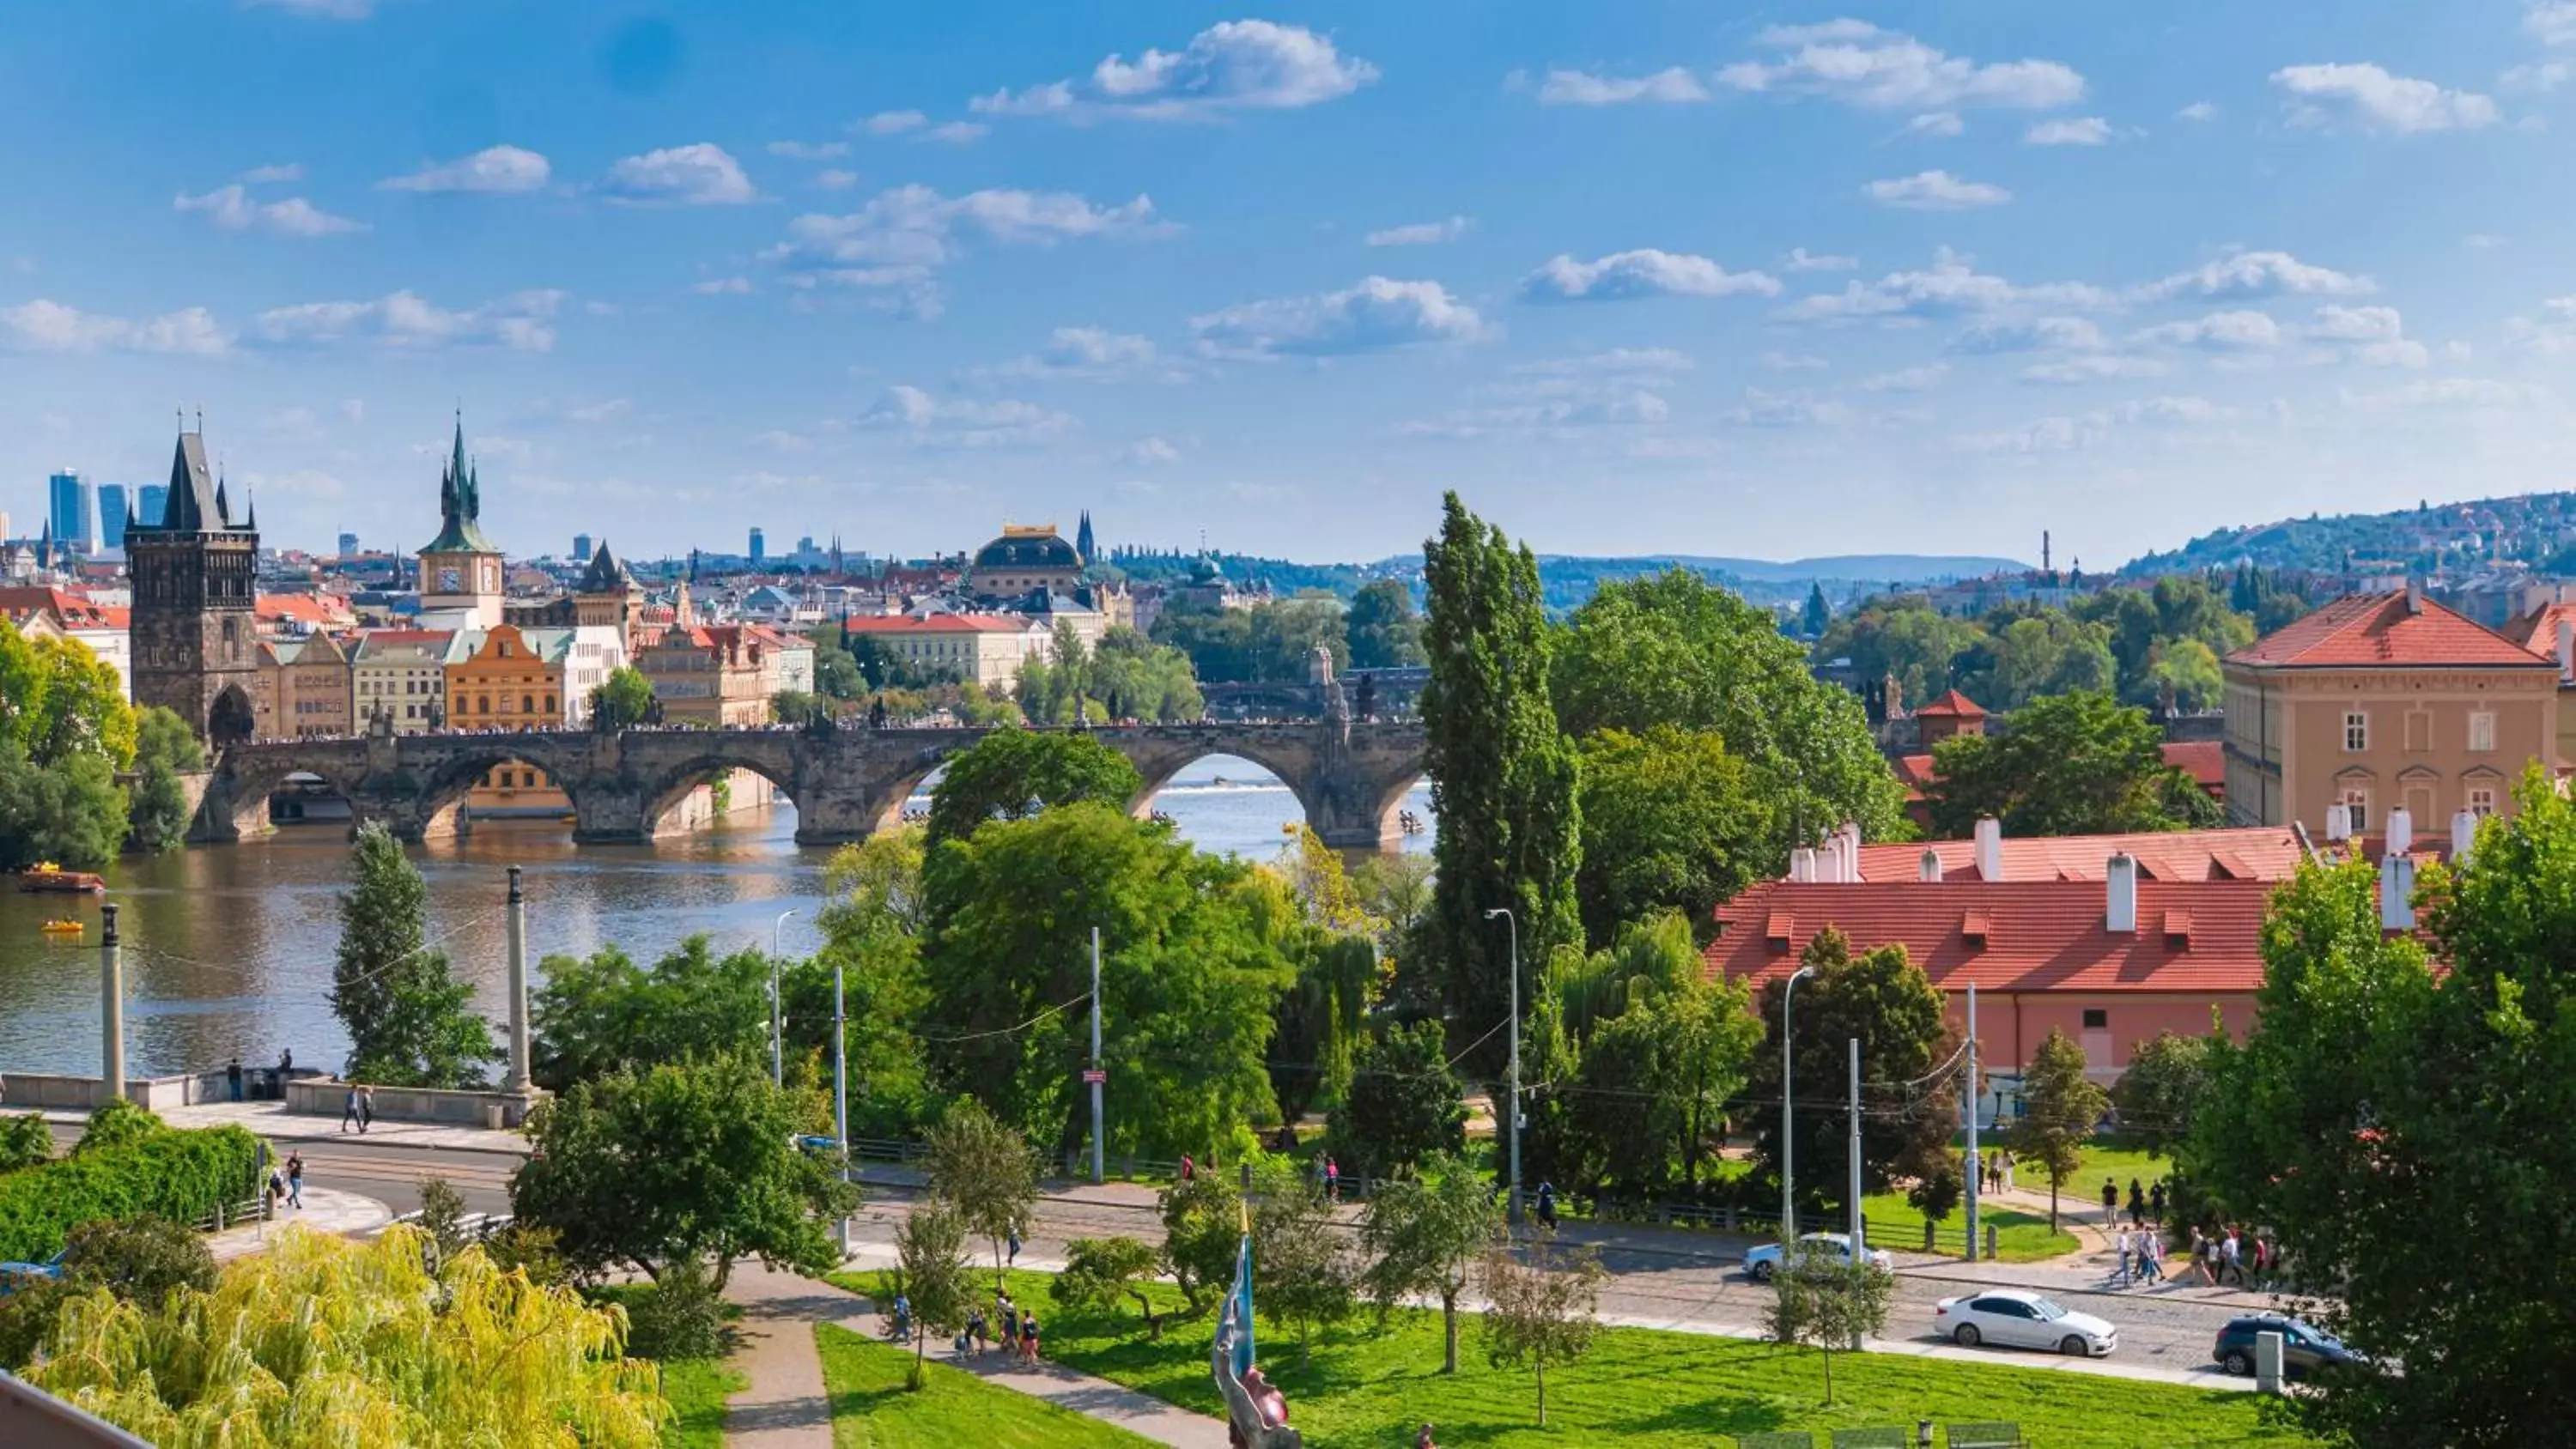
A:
1512,1128
111,1009
841,1089
517,921
1857,1245
1788,1120
777,1021
1974,1163
1099,1077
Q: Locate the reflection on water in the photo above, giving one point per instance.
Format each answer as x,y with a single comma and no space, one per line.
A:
228,949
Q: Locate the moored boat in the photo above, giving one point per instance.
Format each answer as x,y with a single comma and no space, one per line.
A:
48,878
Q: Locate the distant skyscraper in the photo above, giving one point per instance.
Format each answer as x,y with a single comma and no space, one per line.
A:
759,546
581,549
155,497
111,514
75,525
348,545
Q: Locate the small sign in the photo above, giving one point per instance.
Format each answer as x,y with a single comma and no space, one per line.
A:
1095,1075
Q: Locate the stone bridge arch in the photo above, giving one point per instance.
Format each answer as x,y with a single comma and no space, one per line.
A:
1161,753
235,805
419,793
671,783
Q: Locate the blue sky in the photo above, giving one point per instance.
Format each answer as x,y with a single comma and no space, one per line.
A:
1634,277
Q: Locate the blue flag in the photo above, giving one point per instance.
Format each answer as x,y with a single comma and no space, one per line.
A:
1243,1306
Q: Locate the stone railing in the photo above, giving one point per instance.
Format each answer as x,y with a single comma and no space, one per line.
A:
38,1089
329,1097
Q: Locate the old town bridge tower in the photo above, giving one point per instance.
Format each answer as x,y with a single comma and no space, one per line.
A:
194,573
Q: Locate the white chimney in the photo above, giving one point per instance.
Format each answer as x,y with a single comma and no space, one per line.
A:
1802,864
2401,831
2566,648
2338,823
1846,860
2396,893
1990,849
1931,869
2464,835
2121,878
2414,596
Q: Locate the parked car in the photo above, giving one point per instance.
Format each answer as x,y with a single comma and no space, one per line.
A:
1764,1261
2019,1318
2304,1346
14,1276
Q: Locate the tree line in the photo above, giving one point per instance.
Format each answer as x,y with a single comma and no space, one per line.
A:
83,774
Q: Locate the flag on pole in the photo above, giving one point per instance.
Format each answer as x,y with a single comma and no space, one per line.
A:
1242,1296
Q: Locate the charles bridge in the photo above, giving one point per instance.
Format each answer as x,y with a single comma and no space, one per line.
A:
847,783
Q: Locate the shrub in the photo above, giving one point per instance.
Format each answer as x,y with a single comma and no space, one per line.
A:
139,1259
681,1317
533,1250
25,1142
26,1314
182,1176
118,1124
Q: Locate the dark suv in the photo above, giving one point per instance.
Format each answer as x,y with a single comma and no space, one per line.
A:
2304,1346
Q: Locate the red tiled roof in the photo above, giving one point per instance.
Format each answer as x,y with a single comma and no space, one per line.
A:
70,610
2537,631
2204,760
1915,770
2037,936
1952,705
2254,852
2384,631
304,608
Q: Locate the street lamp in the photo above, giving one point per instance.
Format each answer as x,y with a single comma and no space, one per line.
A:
777,1025
1513,1130
1788,1123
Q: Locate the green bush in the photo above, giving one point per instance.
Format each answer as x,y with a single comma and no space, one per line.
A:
180,1175
682,1316
117,1124
25,1142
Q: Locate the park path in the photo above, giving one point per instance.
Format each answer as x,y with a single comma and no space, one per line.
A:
785,1405
325,1210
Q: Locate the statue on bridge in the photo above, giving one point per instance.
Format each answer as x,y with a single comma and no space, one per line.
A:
1256,1414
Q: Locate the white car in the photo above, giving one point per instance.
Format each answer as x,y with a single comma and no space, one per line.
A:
1764,1261
2019,1318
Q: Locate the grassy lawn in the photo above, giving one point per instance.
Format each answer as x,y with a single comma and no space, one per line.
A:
1639,1387
871,1409
697,1389
2020,1237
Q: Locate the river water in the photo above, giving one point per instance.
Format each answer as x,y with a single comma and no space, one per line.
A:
228,949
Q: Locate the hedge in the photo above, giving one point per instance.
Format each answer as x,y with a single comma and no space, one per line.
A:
180,1174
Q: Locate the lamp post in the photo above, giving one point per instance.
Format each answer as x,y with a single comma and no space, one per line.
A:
1788,1122
1513,1128
777,1022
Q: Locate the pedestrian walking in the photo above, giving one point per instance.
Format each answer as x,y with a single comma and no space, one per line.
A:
295,1179
979,1331
1029,1337
1013,1237
2110,1204
351,1110
1332,1179
2007,1157
1547,1206
276,1189
2199,1252
2232,1254
2137,1204
1189,1169
2120,1239
366,1109
1422,1440
1009,1317
2156,1203
2152,1248
232,1076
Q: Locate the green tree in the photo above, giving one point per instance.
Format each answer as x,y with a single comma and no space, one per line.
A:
2059,1107
25,1141
164,750
602,1013
1503,775
1671,821
1013,774
2074,764
1424,1236
983,1168
1189,980
1308,1278
932,1275
799,708
1202,1232
1885,1001
1285,636
410,1021
442,1220
2161,1088
141,1259
1543,1305
65,702
2184,676
1818,614
686,1161
2039,655
1383,630
1098,1272
1829,1303
624,701
69,812
1313,1050
871,921
1905,640
1403,1104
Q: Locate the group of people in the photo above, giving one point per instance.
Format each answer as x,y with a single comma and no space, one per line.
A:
1018,1335
1994,1170
360,1108
2147,1206
2235,1252
287,1183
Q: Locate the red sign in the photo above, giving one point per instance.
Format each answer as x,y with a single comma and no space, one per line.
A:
1095,1075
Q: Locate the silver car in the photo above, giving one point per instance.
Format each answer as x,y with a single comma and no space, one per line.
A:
2019,1318
1764,1261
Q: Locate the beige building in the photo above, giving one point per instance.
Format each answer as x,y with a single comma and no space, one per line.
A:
304,688
987,649
1023,560
2382,701
710,674
401,674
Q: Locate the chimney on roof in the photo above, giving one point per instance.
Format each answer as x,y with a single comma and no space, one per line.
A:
2396,893
2566,648
1930,871
2414,597
2121,881
1990,849
2338,824
2464,835
2401,831
1802,864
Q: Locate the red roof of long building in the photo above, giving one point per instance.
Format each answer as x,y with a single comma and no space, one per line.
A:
1952,705
2396,630
2193,936
2254,852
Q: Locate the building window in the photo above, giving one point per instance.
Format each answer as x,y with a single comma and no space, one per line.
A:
550,704
527,704
482,704
2482,800
2355,800
2482,731
2356,731
2097,1019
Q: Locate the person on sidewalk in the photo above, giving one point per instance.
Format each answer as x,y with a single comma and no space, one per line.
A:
2199,1253
295,1179
2137,1204
2156,1203
366,1109
1189,1169
2006,1155
1007,1314
2232,1255
1332,1179
350,1110
232,1077
1013,1238
2151,1257
1547,1205
2120,1240
979,1330
2110,1204
1029,1338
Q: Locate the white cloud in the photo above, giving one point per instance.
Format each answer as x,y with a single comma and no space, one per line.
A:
1093,353
836,180
1936,191
2541,78
44,325
965,422
522,321
2238,331
1421,233
2551,334
721,286
1645,272
1793,361
1149,452
1936,125
1376,314
1802,260
2479,241
1862,65
300,483
232,208
2258,274
2091,429
702,174
2450,392
2357,324
604,411
1233,65
1671,85
956,133
895,243
2551,22
264,175
1762,409
1615,361
2198,111
494,169
2036,334
2090,367
2069,131
1552,403
1950,287
2368,96
317,9
810,150
1908,379
893,123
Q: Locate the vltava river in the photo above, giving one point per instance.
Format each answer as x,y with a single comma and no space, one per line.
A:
228,949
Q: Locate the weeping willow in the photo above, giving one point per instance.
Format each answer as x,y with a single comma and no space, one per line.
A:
321,1343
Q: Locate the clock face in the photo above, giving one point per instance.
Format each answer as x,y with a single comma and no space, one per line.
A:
447,579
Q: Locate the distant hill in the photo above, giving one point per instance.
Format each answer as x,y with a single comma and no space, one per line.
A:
2530,530
1869,568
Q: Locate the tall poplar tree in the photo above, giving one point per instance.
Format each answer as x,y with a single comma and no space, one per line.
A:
411,1023
1502,776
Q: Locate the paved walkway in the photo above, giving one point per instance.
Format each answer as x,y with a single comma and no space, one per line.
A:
787,1407
325,1210
271,1120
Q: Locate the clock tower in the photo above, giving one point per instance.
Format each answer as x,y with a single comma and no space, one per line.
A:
460,570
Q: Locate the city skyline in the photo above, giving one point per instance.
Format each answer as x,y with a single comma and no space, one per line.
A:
1824,280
